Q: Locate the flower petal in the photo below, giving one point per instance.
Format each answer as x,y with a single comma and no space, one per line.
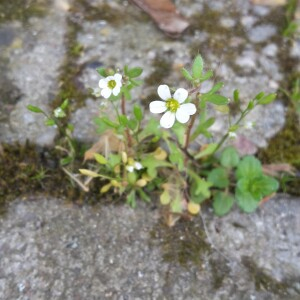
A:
164,92
118,77
188,108
182,116
157,107
106,93
181,95
167,120
116,91
103,83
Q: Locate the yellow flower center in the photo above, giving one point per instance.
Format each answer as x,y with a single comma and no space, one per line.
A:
172,105
111,84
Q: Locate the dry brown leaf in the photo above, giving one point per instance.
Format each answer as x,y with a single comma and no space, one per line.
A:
165,15
107,143
275,169
269,2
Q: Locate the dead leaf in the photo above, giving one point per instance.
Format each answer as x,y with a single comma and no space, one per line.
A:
269,2
165,15
275,169
107,143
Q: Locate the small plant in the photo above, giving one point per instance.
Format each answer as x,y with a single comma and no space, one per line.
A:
139,157
294,95
291,24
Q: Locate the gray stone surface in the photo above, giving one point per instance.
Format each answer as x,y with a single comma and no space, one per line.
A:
53,250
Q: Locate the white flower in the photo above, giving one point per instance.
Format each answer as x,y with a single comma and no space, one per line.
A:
249,125
134,165
111,85
232,135
172,106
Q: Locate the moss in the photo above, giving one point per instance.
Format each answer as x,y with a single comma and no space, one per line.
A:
265,282
22,9
184,243
209,21
27,169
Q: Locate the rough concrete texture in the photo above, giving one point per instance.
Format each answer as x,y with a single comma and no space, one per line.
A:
52,250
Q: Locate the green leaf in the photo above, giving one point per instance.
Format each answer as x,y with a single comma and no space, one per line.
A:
109,123
206,76
133,124
66,160
65,104
236,96
207,151
216,88
245,201
102,72
135,82
202,128
186,74
126,91
196,198
123,120
249,167
135,72
197,67
267,99
114,159
259,96
176,156
176,205
179,130
152,164
151,128
143,195
218,177
263,186
222,203
131,199
137,112
100,159
200,186
215,99
49,122
35,109
229,157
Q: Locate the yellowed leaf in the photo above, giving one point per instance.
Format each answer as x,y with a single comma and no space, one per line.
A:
193,208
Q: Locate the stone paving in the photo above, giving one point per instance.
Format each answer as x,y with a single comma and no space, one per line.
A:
51,250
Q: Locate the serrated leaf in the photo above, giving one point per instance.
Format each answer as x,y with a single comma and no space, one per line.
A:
215,99
34,109
138,112
263,186
100,158
135,72
267,99
245,201
229,157
186,74
218,177
197,67
222,203
249,167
